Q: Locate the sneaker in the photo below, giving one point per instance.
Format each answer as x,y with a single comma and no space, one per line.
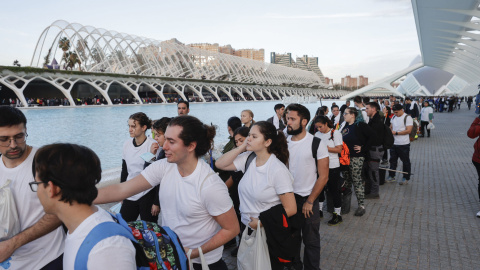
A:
321,214
336,219
403,182
478,214
372,196
390,179
360,211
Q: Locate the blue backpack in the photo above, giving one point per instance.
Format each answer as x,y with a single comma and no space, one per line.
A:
156,247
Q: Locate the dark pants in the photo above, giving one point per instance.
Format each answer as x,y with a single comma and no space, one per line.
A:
56,264
402,152
310,234
376,154
423,126
220,265
334,186
143,207
477,166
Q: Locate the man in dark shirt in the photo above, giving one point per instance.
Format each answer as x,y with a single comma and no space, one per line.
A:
276,120
413,111
376,150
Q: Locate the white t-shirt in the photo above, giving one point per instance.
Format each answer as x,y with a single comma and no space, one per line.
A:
398,124
364,114
132,156
116,252
260,186
42,251
426,111
333,159
186,209
302,165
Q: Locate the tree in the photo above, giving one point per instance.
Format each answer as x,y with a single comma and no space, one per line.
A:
16,63
71,59
47,58
64,44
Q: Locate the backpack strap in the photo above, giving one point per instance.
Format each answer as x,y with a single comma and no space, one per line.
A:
315,145
98,233
249,160
181,255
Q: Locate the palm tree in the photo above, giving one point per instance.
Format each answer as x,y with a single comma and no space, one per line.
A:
64,44
73,59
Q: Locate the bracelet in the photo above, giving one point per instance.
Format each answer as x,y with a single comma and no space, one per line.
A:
311,203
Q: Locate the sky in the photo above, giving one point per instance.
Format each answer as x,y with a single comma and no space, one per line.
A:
374,38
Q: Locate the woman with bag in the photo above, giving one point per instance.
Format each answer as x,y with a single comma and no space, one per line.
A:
266,185
474,132
426,117
358,136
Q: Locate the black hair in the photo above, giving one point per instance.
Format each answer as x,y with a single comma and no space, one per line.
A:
234,123
162,124
279,146
301,110
324,120
76,169
142,119
184,102
243,131
374,105
10,116
357,99
278,106
389,110
334,106
193,130
358,114
319,111
366,100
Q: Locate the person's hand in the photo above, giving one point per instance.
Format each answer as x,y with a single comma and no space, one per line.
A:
154,148
243,147
253,223
357,148
307,209
7,248
155,210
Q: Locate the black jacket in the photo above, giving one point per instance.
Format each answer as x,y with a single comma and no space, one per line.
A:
378,127
283,233
281,125
414,113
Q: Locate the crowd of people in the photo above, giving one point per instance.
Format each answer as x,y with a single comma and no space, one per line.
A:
273,174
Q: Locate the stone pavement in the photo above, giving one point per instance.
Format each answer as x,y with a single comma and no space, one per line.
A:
428,224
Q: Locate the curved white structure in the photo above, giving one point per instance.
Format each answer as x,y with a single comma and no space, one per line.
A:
108,51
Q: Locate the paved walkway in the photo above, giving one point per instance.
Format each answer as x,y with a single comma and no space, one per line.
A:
428,224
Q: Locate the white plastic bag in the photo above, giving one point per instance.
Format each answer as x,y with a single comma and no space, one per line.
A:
202,259
430,126
9,223
253,250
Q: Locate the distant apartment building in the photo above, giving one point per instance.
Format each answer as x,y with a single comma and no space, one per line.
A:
206,46
253,54
328,81
349,81
282,59
304,62
227,49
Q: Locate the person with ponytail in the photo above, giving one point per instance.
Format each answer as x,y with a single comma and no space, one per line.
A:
334,141
266,182
358,136
247,118
132,165
194,200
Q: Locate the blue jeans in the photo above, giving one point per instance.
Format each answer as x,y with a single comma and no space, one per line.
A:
402,152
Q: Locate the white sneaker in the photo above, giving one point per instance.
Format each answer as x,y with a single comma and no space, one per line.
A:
478,214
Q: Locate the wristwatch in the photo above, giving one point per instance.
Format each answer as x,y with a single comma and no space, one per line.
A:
396,132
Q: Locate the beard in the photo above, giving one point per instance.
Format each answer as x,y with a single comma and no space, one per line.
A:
15,156
291,131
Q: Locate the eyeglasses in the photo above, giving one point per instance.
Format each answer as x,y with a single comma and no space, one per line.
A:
18,139
34,185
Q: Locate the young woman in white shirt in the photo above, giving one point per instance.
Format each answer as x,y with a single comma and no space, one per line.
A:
132,165
426,117
334,141
267,182
247,118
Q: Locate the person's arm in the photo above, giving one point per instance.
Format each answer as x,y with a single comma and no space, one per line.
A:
124,173
45,225
225,162
118,192
229,182
474,129
337,141
323,169
229,229
336,149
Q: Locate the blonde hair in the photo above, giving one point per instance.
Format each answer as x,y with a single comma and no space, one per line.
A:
251,114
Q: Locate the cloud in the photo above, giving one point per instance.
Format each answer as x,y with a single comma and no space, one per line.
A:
397,12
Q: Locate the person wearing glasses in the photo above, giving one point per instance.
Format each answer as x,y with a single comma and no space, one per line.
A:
69,194
39,245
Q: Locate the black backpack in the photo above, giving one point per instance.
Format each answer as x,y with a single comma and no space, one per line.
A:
388,139
315,144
